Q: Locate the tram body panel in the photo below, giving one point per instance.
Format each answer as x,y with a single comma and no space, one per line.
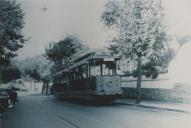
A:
97,85
108,85
60,90
90,87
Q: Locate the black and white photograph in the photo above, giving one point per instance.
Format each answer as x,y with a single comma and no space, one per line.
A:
95,64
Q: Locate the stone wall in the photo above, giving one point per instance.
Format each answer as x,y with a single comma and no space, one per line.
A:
158,89
175,95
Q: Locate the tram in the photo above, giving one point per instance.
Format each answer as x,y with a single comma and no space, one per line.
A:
91,76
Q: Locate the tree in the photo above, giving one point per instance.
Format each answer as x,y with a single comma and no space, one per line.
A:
36,69
140,30
113,49
11,25
10,72
11,36
63,51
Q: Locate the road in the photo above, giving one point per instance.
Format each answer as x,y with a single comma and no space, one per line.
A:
36,111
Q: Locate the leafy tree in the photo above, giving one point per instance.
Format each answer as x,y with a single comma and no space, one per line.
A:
11,36
65,50
11,25
113,49
148,69
11,72
37,68
35,74
140,30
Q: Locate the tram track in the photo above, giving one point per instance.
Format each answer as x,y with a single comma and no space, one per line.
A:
68,121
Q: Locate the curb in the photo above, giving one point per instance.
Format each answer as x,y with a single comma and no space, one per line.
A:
154,107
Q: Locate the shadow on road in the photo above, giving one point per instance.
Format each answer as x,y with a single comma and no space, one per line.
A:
85,102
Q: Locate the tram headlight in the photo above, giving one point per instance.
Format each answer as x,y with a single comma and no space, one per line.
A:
109,84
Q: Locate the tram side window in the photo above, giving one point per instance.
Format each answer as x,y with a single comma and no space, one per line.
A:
83,72
76,74
79,73
73,75
55,80
70,76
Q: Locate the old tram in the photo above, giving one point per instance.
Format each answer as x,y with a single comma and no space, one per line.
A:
91,76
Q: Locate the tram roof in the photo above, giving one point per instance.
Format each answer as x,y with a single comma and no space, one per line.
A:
85,59
92,56
61,71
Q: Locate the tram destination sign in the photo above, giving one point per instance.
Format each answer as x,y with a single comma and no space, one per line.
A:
109,59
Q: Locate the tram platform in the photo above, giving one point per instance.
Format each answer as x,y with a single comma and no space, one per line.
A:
153,104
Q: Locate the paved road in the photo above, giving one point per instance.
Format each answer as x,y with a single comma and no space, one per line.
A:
37,111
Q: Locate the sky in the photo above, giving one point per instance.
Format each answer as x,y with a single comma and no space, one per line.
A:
180,24
178,16
51,20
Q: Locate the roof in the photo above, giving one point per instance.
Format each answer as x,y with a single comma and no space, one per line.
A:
85,59
91,56
61,71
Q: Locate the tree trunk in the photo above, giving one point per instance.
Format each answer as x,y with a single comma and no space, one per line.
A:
34,86
0,75
139,77
43,88
47,87
30,87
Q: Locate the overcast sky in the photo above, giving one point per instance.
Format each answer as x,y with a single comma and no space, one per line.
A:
178,13
51,20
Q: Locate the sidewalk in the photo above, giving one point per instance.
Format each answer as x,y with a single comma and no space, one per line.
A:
164,105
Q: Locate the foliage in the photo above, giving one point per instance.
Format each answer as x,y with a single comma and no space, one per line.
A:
149,70
34,74
63,51
37,68
141,31
11,24
11,72
140,28
113,49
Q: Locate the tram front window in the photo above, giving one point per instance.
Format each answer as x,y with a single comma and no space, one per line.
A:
108,69
102,68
